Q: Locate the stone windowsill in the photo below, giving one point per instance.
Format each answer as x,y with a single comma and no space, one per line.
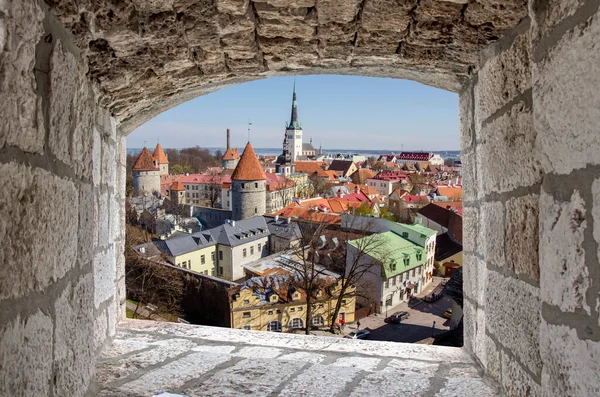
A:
147,357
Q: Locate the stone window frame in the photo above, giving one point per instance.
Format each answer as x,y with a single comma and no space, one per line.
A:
246,314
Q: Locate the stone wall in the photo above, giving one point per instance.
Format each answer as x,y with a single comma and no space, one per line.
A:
529,132
62,167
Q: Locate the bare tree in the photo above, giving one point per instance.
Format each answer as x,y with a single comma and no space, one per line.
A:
152,283
319,186
360,243
285,191
306,274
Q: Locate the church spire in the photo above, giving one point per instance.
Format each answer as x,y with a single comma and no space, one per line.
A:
294,118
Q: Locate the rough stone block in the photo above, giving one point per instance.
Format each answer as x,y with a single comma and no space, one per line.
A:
480,336
502,78
96,157
104,276
82,145
549,13
571,365
109,163
596,213
470,228
100,326
475,277
469,321
335,11
493,365
492,233
21,110
516,381
39,229
103,219
63,72
465,108
469,173
113,317
522,236
513,316
566,100
25,349
508,140
564,277
74,343
88,223
115,218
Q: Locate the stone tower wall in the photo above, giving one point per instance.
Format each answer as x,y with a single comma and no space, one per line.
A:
146,182
164,169
249,200
230,164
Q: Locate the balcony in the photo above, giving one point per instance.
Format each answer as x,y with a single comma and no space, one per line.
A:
147,357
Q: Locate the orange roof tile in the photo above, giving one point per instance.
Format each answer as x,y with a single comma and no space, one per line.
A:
145,162
159,155
177,186
249,168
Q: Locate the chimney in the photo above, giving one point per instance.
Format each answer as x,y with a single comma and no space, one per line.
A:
356,189
228,138
276,218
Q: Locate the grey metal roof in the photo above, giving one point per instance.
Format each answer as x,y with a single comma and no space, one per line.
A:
281,228
234,233
180,245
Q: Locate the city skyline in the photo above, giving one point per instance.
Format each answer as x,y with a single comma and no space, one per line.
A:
338,112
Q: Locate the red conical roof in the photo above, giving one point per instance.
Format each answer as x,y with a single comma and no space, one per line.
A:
159,155
145,161
248,169
177,186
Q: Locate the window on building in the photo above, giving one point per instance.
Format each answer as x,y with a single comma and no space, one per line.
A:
256,210
412,273
293,309
300,309
243,185
212,256
252,250
296,323
387,283
247,327
318,321
393,281
256,185
246,314
220,255
259,247
270,312
405,234
220,270
246,301
206,272
202,259
212,272
274,326
278,311
244,253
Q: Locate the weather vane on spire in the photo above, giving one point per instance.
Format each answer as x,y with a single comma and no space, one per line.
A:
249,124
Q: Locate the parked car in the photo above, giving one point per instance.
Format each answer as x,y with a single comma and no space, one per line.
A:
397,317
448,314
360,334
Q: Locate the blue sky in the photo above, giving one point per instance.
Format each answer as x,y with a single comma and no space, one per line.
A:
339,112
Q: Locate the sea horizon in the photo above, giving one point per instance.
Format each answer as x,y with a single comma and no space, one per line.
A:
360,152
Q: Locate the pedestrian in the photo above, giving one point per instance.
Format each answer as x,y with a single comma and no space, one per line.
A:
358,324
342,323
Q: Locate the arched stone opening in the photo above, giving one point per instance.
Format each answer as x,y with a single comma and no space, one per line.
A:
77,76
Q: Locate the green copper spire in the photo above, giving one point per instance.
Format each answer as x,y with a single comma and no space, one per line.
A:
294,124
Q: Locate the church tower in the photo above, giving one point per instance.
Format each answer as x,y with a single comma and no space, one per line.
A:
284,164
248,186
293,131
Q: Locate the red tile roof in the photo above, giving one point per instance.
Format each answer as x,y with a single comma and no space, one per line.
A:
415,156
159,155
145,162
177,186
249,168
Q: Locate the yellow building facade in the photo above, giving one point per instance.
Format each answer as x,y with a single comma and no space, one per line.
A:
284,310
201,261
